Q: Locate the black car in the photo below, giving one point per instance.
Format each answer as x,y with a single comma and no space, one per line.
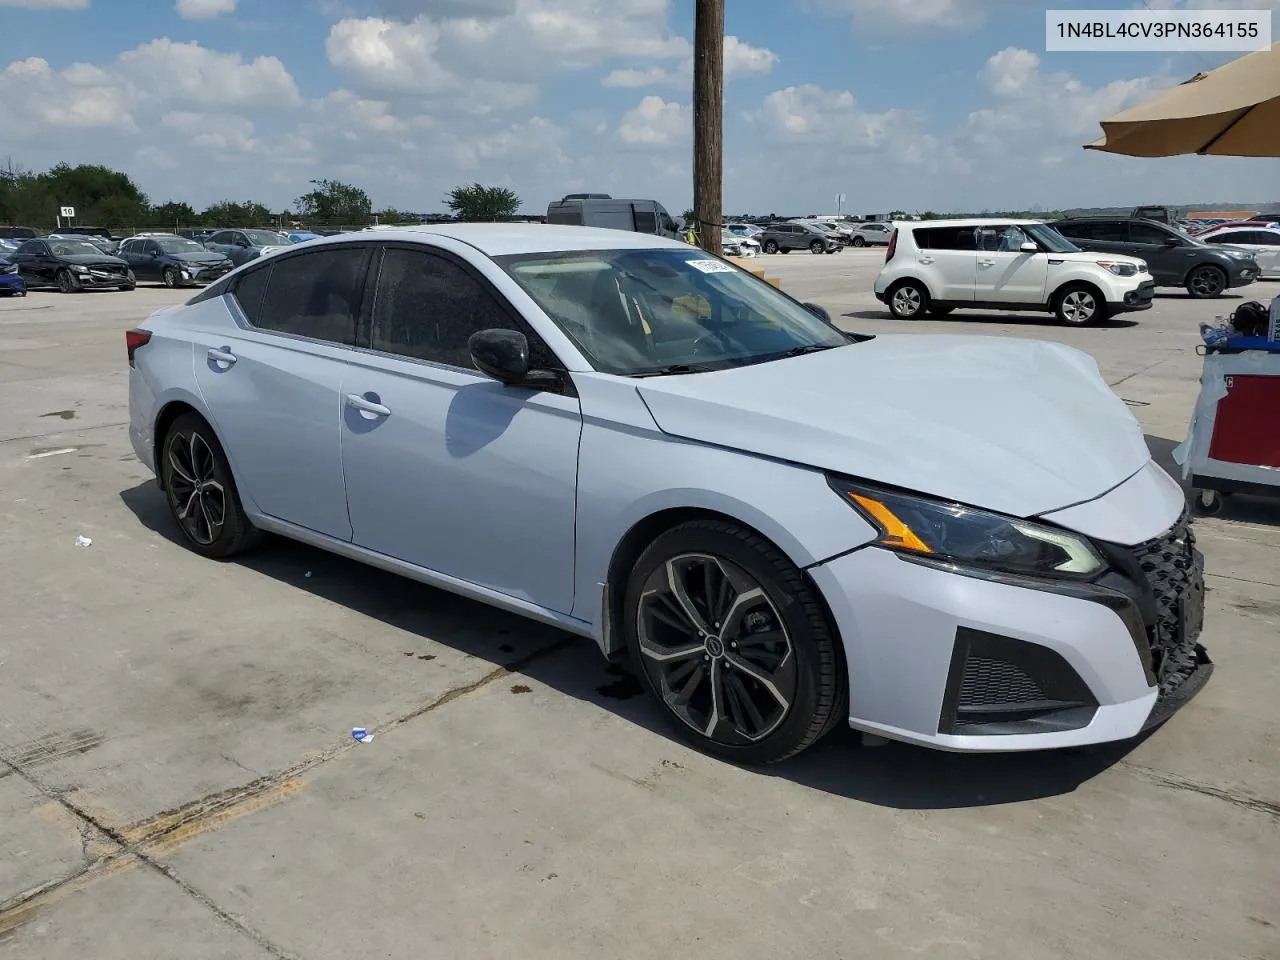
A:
785,237
70,265
1174,259
17,233
172,260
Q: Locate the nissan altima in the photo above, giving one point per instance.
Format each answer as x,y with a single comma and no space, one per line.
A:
960,542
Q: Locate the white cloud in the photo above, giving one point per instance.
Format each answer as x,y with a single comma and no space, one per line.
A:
79,96
190,72
907,16
636,78
739,58
811,114
204,9
46,4
655,123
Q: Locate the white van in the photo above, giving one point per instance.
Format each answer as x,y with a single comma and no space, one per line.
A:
601,210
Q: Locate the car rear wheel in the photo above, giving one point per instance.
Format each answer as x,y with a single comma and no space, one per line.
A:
733,642
169,277
859,242
1205,282
67,283
908,300
1078,305
817,247
201,491
771,246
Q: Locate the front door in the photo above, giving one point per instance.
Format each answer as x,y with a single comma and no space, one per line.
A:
1168,255
446,468
272,386
1006,273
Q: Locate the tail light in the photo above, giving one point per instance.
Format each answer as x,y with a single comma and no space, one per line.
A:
133,339
893,246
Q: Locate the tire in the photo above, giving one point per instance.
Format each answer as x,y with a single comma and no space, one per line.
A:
908,300
859,242
1079,305
771,246
169,277
128,286
745,720
938,311
189,455
1206,282
1207,503
67,283
817,247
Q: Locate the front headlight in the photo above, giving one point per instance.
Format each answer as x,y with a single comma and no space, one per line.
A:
950,533
1119,269
76,268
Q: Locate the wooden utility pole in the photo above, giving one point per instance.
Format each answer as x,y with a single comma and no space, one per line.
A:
708,121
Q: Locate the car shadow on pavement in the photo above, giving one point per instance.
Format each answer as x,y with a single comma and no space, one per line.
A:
969,316
894,775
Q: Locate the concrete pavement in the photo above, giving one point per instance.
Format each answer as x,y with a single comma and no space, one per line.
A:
177,777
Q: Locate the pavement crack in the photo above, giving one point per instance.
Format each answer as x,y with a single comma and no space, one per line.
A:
44,436
1237,797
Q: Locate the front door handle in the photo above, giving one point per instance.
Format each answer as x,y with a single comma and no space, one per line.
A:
368,408
986,263
926,259
222,355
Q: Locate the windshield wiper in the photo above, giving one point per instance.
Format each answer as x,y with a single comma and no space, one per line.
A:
676,368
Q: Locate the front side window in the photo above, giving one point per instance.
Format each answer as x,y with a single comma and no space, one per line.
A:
1146,233
314,295
177,246
74,248
646,221
264,238
224,238
426,306
1049,238
646,312
1005,238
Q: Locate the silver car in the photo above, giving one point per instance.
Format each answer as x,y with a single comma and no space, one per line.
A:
781,526
870,234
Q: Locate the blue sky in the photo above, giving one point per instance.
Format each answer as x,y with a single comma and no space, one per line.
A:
918,104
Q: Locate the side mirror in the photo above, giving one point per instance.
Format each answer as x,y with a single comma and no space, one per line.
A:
1029,247
1171,242
502,354
818,310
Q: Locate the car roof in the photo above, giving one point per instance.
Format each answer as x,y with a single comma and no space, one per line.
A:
501,239
970,222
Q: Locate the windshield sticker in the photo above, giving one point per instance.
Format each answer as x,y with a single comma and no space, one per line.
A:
711,266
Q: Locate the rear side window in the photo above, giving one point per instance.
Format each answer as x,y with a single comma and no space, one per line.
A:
314,294
1110,231
945,238
1072,228
646,221
248,293
1145,233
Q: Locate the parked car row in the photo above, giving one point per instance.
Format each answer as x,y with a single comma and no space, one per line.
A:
1082,269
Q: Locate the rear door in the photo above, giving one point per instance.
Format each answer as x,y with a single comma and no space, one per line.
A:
35,263
272,382
948,259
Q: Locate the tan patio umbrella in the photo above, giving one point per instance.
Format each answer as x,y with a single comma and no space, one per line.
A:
1233,111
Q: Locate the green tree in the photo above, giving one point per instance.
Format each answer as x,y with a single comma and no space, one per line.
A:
174,213
101,196
228,213
480,203
392,216
335,202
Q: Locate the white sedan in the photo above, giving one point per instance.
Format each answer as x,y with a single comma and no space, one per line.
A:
1262,240
782,527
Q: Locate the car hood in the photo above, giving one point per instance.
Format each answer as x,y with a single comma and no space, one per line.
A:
1086,256
209,257
92,260
1021,427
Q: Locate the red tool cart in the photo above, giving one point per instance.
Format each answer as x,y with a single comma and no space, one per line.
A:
1233,443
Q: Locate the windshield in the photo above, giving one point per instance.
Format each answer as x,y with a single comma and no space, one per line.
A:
265,238
645,312
73,248
181,246
1049,238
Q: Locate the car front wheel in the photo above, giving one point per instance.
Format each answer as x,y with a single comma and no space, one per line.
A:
1079,306
169,277
908,300
770,246
67,283
817,247
202,492
1206,282
733,642
859,242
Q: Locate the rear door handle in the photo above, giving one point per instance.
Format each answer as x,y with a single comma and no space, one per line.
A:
222,355
986,263
365,406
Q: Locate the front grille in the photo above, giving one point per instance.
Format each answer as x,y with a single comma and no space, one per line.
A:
1170,566
987,681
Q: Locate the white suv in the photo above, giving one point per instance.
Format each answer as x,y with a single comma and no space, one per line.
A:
939,265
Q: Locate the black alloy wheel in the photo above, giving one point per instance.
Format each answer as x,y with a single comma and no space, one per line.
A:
733,643
201,492
66,282
817,246
1206,282
169,277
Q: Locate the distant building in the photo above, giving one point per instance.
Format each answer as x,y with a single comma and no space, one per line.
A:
1221,214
